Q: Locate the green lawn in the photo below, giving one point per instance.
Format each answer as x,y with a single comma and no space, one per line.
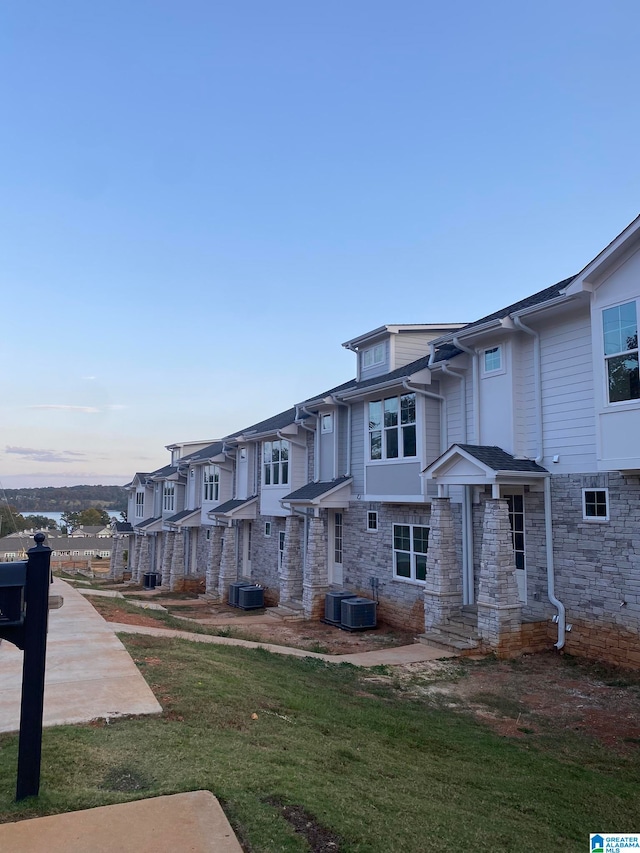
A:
380,771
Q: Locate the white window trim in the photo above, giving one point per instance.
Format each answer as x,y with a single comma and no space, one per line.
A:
139,505
372,529
267,529
210,483
378,355
633,402
281,543
326,429
498,371
383,449
595,519
280,484
412,580
168,497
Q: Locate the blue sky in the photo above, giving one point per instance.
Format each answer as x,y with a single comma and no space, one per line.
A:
202,200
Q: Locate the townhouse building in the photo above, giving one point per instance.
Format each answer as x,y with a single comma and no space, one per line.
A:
480,480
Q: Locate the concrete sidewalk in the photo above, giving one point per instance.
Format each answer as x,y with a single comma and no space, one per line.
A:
89,674
415,653
182,823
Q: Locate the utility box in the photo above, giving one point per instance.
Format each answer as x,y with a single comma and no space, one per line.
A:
13,579
332,605
357,614
234,589
250,597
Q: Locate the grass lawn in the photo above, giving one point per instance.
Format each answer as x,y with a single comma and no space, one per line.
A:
355,760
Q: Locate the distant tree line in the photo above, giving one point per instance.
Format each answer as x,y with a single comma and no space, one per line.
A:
71,498
12,521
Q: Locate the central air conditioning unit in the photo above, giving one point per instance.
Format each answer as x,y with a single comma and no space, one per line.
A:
251,597
234,589
357,614
332,602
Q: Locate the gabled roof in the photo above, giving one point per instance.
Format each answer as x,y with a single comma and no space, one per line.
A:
122,527
238,508
470,464
164,473
205,453
140,478
181,516
313,493
147,522
272,424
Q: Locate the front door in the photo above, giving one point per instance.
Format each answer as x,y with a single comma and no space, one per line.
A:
335,548
515,502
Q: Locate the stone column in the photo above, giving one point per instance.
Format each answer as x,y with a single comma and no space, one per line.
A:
443,583
499,607
176,577
144,562
228,567
135,562
316,575
167,555
213,561
291,573
117,567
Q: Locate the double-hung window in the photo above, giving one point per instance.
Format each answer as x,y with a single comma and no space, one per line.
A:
211,483
620,332
276,463
139,504
392,427
410,544
168,497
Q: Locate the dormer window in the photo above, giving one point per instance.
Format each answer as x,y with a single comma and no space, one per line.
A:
620,331
373,355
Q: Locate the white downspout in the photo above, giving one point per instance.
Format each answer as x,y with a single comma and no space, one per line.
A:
548,529
476,386
537,383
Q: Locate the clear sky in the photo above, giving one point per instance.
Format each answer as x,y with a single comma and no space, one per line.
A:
200,200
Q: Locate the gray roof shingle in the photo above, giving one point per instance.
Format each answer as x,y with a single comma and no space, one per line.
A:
314,490
499,460
228,506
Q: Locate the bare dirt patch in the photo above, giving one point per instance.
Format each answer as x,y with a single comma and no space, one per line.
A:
535,694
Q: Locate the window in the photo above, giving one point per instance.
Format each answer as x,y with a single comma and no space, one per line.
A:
105,553
620,331
326,423
211,483
492,360
373,355
372,522
139,504
595,504
410,543
267,528
337,538
88,553
280,548
168,497
276,463
207,534
243,454
392,427
515,503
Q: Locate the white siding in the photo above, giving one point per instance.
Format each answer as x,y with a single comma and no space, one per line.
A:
568,419
524,398
409,346
357,447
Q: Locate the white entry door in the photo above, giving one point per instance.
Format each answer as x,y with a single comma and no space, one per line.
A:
335,547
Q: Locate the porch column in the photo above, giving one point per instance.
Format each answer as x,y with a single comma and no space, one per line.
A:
228,566
144,563
135,562
213,561
167,555
499,608
443,583
291,573
176,577
117,567
316,578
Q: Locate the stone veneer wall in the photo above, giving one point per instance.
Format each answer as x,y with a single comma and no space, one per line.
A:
264,557
367,555
597,566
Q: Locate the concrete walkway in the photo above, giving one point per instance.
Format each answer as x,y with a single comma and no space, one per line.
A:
89,674
415,653
182,823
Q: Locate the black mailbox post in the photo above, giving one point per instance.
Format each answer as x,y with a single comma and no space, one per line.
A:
24,608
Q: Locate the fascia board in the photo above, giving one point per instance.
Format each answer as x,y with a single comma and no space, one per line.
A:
374,388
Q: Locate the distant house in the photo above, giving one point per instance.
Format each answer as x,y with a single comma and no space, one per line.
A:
481,480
